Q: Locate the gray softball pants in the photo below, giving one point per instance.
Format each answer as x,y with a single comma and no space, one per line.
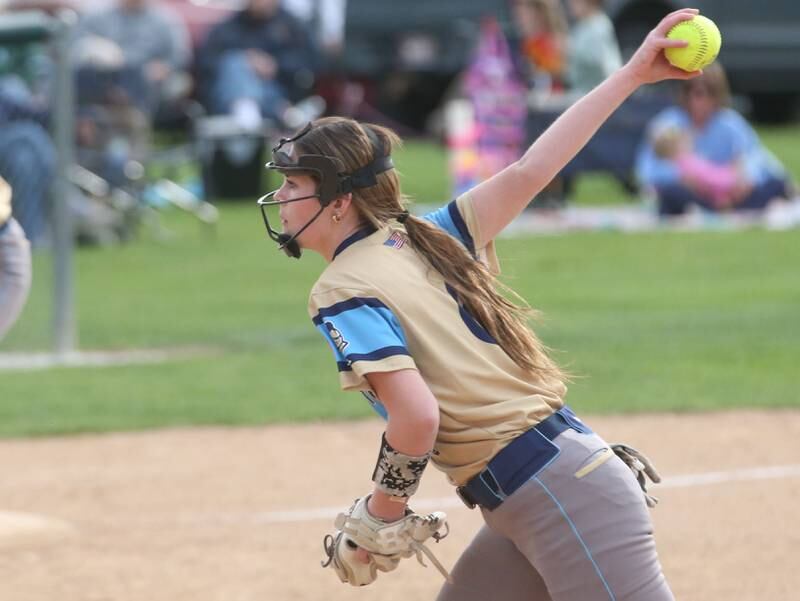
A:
579,530
15,274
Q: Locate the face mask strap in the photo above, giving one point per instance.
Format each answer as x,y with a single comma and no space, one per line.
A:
284,141
367,176
333,181
287,243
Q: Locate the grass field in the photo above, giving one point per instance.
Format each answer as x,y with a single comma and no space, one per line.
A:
659,321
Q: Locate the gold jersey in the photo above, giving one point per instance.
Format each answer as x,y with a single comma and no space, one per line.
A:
382,308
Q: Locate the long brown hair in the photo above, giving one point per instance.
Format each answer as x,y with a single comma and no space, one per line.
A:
551,13
380,205
715,83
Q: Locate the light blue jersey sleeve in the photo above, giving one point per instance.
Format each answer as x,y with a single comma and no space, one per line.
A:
361,330
755,160
449,219
365,336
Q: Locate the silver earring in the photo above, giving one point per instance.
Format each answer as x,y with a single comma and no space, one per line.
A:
337,218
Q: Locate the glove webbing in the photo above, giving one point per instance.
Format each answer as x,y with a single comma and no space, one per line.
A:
390,540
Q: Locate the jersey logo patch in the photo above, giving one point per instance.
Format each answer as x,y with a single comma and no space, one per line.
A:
396,240
336,336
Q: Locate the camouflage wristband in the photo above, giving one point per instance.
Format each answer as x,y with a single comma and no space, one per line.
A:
397,474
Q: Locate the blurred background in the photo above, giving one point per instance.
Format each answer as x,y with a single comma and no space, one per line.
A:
134,134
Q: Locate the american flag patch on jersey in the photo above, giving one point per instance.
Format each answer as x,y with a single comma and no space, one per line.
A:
396,240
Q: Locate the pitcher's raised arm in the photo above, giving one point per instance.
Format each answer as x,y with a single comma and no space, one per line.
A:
498,200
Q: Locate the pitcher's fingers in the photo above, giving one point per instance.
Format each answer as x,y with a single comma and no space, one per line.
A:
670,43
693,11
362,555
673,18
676,73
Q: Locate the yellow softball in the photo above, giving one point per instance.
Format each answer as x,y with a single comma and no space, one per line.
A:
704,43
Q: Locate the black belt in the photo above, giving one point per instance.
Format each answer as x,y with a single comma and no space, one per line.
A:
518,462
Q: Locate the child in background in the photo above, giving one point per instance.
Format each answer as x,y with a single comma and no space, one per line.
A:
497,96
594,53
718,134
542,28
716,180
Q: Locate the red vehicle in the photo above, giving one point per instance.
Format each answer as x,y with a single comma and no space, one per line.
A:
199,15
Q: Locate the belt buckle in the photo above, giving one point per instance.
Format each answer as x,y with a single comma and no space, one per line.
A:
463,497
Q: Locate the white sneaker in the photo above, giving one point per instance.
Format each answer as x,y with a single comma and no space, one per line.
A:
308,109
246,114
782,215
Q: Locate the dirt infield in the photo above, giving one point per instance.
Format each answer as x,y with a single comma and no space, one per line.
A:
239,514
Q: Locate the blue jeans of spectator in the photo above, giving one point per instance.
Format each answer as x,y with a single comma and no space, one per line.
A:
675,199
103,87
236,79
28,162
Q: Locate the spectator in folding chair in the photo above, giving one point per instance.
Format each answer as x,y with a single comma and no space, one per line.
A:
135,53
131,59
256,63
326,18
131,70
27,159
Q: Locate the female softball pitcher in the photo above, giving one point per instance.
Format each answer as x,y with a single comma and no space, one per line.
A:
411,309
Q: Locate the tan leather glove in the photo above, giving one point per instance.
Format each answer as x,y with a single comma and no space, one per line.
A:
386,542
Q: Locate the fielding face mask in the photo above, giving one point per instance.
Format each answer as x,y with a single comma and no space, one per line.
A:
333,182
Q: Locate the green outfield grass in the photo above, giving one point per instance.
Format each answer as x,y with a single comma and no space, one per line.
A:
647,322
